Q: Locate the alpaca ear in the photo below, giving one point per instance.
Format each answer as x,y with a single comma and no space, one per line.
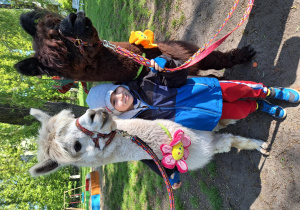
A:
44,167
29,21
30,67
39,115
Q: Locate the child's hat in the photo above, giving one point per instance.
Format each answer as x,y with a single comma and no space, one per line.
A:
99,96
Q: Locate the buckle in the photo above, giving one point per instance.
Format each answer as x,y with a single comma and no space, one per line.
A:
78,42
107,44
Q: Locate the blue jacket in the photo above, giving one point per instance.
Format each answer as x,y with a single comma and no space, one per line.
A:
195,103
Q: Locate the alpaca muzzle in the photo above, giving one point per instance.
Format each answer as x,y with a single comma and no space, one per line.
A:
80,43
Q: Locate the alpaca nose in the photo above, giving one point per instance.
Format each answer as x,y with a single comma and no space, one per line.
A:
105,117
72,18
91,113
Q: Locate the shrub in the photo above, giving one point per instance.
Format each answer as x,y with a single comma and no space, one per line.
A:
66,5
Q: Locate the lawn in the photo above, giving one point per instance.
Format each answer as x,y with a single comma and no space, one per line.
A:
132,185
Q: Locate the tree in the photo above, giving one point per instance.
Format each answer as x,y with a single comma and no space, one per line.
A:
14,4
18,190
15,45
21,191
19,115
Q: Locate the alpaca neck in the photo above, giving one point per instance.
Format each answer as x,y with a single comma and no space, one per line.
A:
134,48
105,64
147,130
109,65
123,149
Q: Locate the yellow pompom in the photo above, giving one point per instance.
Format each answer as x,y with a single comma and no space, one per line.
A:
145,39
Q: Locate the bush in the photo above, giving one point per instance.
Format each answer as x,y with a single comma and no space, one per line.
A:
66,5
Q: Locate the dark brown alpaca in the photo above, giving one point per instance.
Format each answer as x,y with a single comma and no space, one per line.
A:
55,55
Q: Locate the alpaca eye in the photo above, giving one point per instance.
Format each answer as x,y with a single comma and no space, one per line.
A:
77,146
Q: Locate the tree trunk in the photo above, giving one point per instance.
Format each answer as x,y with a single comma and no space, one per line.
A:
19,5
59,98
19,116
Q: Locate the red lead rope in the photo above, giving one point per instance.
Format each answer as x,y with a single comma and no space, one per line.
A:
203,51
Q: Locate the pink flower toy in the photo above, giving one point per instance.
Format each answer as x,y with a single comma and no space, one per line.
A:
175,153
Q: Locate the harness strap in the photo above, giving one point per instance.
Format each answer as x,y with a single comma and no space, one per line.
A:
79,42
110,135
99,135
84,130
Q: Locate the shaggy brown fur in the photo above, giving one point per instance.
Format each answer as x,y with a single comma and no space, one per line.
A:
57,56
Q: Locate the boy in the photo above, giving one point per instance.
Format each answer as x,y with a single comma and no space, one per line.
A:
189,102
197,103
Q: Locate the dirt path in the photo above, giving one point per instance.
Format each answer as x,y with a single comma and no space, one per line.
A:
247,180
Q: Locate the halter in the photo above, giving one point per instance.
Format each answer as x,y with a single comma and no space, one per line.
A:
79,42
111,135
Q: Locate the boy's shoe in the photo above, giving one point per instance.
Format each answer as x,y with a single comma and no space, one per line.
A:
286,94
175,179
271,109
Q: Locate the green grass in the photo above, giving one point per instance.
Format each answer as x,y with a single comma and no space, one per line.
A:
83,172
212,169
82,95
212,194
186,186
136,184
115,19
193,174
194,200
177,22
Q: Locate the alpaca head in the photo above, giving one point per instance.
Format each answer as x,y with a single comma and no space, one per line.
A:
54,54
60,142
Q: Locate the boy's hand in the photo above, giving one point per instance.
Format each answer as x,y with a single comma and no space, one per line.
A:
176,186
156,66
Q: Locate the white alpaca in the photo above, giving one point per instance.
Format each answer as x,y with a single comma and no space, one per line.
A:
61,142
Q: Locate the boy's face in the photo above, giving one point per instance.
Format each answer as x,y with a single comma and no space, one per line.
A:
122,99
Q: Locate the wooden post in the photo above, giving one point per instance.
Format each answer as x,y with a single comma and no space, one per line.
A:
75,188
64,199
